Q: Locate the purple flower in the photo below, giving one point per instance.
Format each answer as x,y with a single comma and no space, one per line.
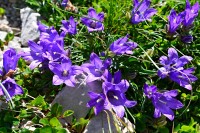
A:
93,21
10,60
96,68
191,12
114,92
141,11
12,87
64,3
112,95
173,66
122,46
98,101
163,102
64,72
36,53
174,21
69,26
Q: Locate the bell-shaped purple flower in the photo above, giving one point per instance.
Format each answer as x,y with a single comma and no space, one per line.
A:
115,94
174,21
64,3
96,68
69,26
98,101
191,12
173,66
141,11
12,87
163,102
93,21
10,60
123,46
64,72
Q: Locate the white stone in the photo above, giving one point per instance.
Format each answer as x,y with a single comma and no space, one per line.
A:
3,35
29,25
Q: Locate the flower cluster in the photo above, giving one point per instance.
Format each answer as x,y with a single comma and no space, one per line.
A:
173,66
163,102
182,22
111,96
10,60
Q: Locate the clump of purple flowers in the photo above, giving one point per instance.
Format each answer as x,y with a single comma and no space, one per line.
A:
163,102
94,20
173,67
141,11
10,60
112,95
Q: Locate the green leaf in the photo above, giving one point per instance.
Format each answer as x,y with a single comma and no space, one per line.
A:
68,113
46,129
61,131
9,37
44,121
56,110
39,101
55,122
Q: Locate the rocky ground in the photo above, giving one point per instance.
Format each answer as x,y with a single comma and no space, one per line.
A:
19,20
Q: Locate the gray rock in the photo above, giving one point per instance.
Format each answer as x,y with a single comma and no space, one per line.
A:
99,124
74,98
15,43
29,25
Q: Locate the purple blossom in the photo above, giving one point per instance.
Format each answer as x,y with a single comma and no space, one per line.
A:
112,95
173,66
93,21
141,11
64,72
174,21
163,102
64,3
10,60
114,92
96,68
191,12
98,101
122,46
12,87
69,26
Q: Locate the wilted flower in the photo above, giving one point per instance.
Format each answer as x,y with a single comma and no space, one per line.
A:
122,46
174,21
163,102
12,87
69,26
141,11
64,72
186,38
96,68
93,21
173,67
